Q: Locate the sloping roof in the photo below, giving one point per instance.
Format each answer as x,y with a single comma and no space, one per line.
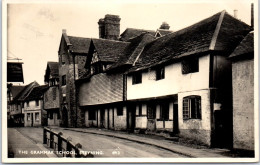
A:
130,33
24,92
54,69
245,47
109,50
79,44
15,90
36,93
220,32
133,50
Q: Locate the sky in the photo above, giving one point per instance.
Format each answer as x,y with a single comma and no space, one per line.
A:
34,29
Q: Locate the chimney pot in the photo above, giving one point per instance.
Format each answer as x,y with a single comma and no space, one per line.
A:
165,26
235,13
63,31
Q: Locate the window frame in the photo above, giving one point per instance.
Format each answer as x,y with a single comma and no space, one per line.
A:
190,65
37,103
137,78
160,73
28,116
191,107
37,113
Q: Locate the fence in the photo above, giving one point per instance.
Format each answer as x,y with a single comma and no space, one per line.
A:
63,146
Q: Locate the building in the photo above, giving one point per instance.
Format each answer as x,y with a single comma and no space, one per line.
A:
17,105
182,82
34,114
243,93
51,102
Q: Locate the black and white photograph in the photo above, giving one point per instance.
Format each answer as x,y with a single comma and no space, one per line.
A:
130,81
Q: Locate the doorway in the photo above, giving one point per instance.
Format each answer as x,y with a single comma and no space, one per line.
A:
131,117
175,119
31,119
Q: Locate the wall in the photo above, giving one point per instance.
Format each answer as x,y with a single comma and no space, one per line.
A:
120,121
100,89
196,129
243,104
51,98
173,83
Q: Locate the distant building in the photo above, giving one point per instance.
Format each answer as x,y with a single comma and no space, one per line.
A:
243,93
34,114
51,102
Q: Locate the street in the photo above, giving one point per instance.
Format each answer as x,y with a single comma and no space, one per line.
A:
107,146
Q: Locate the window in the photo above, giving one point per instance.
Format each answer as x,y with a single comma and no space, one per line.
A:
190,65
164,111
28,116
92,114
63,80
37,102
28,103
64,99
96,68
120,111
192,107
37,116
160,73
63,59
137,78
151,111
58,115
22,105
54,93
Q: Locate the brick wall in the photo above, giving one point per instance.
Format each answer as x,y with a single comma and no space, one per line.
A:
243,104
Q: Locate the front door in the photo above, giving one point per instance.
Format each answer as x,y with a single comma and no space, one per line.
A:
175,119
151,115
31,119
131,117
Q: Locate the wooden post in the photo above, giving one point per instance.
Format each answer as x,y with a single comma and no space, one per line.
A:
59,141
51,139
44,136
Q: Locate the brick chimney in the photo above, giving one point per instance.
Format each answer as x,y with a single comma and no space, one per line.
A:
165,26
235,13
109,27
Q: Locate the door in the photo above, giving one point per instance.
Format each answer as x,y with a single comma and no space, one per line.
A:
65,117
175,119
151,115
102,118
131,117
31,119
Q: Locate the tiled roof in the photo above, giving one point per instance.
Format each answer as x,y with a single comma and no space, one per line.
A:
24,92
130,33
220,32
79,44
54,69
109,50
133,50
15,90
245,47
36,93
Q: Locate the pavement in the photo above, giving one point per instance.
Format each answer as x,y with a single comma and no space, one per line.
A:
153,140
20,146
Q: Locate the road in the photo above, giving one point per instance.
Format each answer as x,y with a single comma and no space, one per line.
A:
104,145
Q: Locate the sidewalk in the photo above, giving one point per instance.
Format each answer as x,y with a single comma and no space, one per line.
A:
20,146
152,140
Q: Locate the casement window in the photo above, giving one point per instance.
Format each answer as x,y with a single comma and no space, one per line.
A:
63,80
28,116
160,73
119,111
92,114
137,78
37,116
190,65
164,111
37,102
151,111
192,107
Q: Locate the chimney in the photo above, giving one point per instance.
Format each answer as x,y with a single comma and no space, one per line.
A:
165,26
252,15
109,27
235,13
63,31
